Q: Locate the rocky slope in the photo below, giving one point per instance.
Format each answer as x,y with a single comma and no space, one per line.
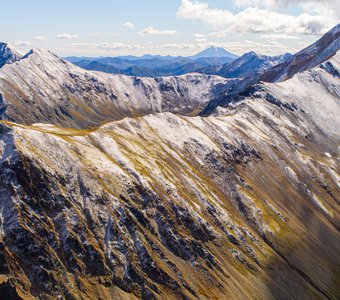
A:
41,87
242,204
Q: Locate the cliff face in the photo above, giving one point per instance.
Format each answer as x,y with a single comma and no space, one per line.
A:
242,204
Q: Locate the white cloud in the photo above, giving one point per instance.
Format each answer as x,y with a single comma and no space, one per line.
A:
269,48
330,8
253,19
129,25
219,34
39,38
104,46
266,3
202,40
82,45
118,46
19,43
67,36
178,46
283,3
280,36
153,31
199,35
98,33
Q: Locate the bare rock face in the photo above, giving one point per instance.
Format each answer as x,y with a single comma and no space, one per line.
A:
242,204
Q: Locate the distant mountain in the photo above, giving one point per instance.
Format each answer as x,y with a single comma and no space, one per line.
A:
149,67
8,55
247,65
214,52
155,65
140,71
97,66
191,67
147,56
75,59
214,60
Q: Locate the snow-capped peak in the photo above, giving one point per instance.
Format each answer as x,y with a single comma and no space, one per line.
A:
214,51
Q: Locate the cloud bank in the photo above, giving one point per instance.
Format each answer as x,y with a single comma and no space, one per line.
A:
255,19
67,36
153,31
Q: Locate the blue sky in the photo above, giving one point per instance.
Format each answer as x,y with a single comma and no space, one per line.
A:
184,27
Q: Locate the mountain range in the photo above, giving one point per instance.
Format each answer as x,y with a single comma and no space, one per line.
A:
181,187
213,61
155,65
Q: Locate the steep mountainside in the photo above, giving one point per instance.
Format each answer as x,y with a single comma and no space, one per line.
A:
307,58
44,88
242,204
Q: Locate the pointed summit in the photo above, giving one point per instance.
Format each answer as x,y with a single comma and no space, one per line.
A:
214,51
8,55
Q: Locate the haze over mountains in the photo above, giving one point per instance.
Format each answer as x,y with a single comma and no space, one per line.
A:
155,65
181,187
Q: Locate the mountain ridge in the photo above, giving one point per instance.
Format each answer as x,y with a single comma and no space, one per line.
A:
114,187
29,80
239,204
155,65
58,90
